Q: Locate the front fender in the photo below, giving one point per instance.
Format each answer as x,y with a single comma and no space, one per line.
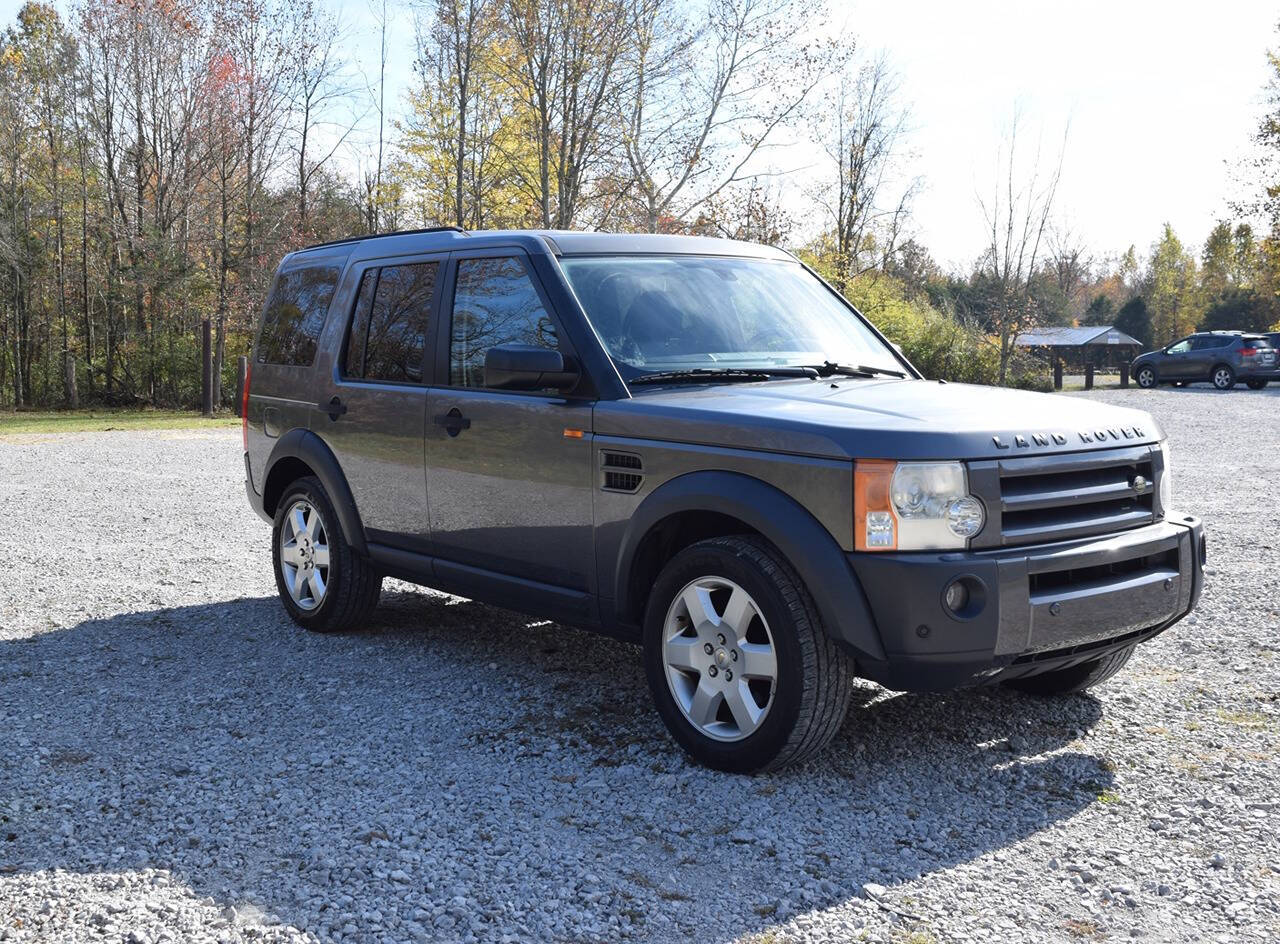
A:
803,541
306,446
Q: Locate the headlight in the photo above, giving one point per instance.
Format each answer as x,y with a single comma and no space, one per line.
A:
1166,480
913,506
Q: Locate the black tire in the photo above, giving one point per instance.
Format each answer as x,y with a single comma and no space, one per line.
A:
353,585
1223,377
1145,377
814,677
1077,678
1256,384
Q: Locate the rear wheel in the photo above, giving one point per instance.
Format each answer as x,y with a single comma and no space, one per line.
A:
1146,377
740,668
1256,384
1077,678
324,584
1224,378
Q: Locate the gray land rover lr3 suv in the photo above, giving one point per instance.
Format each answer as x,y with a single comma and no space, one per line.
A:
696,444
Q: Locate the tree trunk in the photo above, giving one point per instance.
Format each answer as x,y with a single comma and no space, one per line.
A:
69,380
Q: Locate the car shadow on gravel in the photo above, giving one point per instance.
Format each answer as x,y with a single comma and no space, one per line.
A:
460,770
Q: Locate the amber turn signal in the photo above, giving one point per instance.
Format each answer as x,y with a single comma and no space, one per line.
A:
875,526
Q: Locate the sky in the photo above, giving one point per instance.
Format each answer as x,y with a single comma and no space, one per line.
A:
1159,99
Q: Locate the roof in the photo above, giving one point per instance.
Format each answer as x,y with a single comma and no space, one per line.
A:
1076,337
561,242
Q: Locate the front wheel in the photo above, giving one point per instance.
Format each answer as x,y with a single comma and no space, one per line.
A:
1256,384
1224,378
325,585
740,667
1076,678
1146,377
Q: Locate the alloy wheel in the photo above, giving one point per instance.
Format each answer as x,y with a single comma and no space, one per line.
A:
304,555
1222,378
721,664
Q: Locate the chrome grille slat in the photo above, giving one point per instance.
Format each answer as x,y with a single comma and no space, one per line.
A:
1063,497
1049,498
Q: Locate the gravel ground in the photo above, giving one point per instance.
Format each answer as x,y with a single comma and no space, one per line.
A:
180,763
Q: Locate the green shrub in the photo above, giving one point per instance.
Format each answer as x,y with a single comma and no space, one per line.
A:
940,346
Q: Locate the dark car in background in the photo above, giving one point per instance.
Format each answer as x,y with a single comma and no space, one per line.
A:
1218,357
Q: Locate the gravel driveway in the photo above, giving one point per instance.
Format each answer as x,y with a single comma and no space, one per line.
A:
179,762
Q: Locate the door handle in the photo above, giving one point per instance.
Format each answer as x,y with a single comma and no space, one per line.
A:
335,408
453,422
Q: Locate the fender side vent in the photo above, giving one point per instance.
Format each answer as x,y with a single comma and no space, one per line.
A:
623,471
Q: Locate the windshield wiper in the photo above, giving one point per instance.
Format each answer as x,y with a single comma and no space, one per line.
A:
828,368
712,374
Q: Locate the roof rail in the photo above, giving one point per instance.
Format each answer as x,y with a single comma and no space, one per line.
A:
400,232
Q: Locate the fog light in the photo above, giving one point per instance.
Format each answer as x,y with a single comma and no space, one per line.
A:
964,597
956,597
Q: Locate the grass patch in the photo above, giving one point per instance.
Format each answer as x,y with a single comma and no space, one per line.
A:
1109,797
96,421
1078,928
1245,719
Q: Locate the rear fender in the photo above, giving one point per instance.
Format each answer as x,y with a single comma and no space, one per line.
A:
304,445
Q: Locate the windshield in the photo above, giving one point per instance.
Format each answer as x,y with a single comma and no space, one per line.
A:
671,313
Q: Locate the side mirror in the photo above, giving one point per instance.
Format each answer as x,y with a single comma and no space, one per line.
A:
526,367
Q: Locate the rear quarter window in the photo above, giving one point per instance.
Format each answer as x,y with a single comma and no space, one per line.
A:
295,313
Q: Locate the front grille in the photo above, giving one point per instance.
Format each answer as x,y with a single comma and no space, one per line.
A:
1054,498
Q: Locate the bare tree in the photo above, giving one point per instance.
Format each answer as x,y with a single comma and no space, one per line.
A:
319,86
1069,262
868,202
372,175
1017,215
454,66
564,72
704,98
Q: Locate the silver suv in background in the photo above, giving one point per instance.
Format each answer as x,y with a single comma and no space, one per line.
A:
1217,357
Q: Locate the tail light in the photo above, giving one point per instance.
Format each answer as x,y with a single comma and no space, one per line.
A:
1247,351
244,406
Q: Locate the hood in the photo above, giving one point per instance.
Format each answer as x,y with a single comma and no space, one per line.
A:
875,419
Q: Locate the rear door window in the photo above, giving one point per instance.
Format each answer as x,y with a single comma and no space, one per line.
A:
389,325
295,313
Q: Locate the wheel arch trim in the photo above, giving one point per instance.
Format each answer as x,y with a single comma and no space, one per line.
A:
807,545
306,446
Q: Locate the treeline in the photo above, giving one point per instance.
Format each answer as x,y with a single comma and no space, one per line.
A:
159,156
144,187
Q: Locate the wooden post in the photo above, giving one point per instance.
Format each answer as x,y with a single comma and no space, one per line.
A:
206,386
1057,373
242,368
69,377
1088,376
1124,373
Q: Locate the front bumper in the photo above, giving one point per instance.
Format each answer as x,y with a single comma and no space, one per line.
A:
1042,608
